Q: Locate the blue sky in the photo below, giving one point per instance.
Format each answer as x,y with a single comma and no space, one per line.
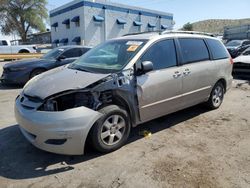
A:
186,10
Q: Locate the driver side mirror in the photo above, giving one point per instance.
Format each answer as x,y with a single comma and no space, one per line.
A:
146,66
61,57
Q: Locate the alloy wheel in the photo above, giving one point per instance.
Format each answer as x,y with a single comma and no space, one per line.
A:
217,96
113,130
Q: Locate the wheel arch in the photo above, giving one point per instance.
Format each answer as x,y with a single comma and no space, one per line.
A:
119,101
224,83
37,68
24,50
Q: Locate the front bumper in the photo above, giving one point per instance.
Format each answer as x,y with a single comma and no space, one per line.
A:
70,126
20,77
241,70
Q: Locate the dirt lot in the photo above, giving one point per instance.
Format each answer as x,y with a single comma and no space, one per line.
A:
191,148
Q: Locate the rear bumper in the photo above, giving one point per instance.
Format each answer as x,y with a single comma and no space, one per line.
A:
57,132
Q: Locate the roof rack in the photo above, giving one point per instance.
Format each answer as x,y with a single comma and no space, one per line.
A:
160,32
144,32
186,32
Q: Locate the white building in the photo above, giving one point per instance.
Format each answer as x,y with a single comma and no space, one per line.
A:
91,22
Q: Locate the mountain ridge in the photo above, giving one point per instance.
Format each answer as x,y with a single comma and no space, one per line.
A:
217,25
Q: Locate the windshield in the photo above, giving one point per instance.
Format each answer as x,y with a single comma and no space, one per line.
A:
234,43
111,56
53,54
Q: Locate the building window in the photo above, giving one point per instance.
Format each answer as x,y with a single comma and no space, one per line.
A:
121,22
98,18
151,27
64,41
164,27
55,25
76,19
137,23
77,24
56,42
67,23
77,40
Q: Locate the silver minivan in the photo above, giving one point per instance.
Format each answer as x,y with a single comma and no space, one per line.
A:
119,84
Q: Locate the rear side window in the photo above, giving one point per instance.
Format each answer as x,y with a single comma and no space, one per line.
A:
162,54
193,50
217,49
74,52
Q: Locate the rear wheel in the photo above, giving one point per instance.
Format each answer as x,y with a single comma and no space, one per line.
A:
216,96
23,51
111,131
36,72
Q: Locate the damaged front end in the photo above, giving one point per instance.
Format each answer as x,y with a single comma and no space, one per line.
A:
117,88
61,122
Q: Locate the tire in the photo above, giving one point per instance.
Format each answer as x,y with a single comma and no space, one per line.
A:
112,130
216,96
36,72
23,51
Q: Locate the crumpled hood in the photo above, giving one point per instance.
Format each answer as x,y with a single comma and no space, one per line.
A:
242,59
58,80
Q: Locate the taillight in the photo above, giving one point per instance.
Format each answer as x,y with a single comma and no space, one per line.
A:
231,61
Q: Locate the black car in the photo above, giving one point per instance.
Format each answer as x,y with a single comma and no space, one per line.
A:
236,47
19,72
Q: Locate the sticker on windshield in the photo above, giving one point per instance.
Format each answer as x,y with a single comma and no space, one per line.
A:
134,43
132,48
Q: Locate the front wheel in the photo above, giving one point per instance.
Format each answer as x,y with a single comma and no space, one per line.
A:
111,131
216,96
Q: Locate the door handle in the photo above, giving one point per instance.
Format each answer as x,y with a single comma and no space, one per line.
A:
176,74
186,72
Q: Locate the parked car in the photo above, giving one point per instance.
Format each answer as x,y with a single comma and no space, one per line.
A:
236,47
7,48
19,72
118,85
241,67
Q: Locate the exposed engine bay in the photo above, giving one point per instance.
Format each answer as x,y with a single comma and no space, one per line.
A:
117,88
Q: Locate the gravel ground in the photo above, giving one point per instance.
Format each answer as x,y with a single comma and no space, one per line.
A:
190,148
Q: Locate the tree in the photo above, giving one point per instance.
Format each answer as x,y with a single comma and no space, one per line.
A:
187,27
20,16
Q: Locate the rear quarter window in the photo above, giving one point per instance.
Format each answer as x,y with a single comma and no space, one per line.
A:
217,49
193,50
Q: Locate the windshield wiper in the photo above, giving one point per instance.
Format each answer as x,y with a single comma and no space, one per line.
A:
79,68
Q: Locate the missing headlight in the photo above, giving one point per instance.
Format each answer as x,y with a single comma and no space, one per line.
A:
50,105
68,101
